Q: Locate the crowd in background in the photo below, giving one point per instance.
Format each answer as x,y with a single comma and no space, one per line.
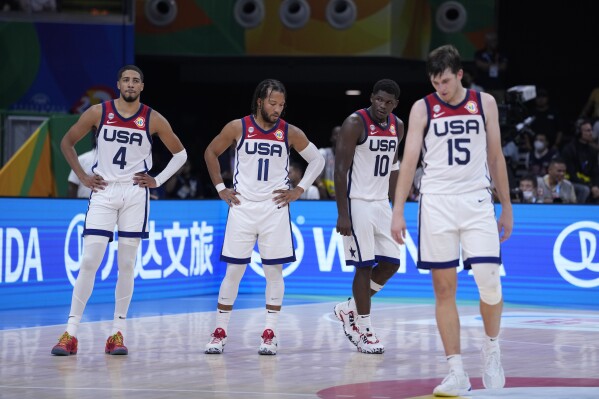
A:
550,159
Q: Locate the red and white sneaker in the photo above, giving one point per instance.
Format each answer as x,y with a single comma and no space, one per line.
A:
369,343
67,345
115,345
269,343
218,339
347,316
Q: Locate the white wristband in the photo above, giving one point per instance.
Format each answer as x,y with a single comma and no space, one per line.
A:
220,187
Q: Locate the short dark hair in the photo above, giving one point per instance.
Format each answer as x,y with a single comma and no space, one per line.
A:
388,86
531,178
130,67
557,160
263,89
441,58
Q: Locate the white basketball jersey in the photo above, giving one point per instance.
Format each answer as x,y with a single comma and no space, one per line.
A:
261,160
454,154
124,144
368,176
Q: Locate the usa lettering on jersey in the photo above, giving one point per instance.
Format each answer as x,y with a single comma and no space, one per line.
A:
262,160
124,144
368,177
454,155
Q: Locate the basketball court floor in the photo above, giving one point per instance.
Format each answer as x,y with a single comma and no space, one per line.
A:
548,353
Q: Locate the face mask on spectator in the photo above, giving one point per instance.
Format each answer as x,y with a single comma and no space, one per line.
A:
527,195
539,145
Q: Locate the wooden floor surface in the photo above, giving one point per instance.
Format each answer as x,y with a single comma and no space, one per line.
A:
547,353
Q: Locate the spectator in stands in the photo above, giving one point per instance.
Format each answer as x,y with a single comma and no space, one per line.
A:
184,184
491,67
527,191
553,187
38,5
547,120
469,83
591,107
9,5
581,163
540,156
326,181
296,173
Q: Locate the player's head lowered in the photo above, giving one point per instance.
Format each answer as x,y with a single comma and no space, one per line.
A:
269,100
441,59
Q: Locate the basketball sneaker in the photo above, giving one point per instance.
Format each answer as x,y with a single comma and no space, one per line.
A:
493,375
369,343
115,346
67,345
218,339
453,385
348,317
269,343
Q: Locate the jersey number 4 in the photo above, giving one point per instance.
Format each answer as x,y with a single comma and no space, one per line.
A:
119,157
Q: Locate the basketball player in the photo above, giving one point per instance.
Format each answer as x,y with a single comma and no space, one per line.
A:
120,195
366,168
258,203
457,131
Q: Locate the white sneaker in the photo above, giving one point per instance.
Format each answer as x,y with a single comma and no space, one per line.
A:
493,375
269,343
369,343
453,385
218,339
346,315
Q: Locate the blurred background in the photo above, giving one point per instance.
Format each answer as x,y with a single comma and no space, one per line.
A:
203,58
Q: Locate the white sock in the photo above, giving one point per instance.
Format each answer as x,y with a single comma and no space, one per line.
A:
272,317
456,364
73,325
490,342
352,305
118,324
363,322
222,319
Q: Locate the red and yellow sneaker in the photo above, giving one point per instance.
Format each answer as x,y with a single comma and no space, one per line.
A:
115,346
67,345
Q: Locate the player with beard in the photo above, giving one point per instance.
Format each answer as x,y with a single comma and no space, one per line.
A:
258,203
120,197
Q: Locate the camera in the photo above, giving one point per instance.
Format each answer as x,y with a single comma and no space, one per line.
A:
514,113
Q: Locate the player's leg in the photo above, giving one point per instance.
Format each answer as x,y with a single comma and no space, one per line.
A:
491,308
98,230
439,244
93,253
481,252
132,224
275,243
240,237
126,254
275,289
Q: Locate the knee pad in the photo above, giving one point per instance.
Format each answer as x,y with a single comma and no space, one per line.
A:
275,285
93,252
488,281
230,284
130,241
126,254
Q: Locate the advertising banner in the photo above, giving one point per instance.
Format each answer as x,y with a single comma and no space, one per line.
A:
550,260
